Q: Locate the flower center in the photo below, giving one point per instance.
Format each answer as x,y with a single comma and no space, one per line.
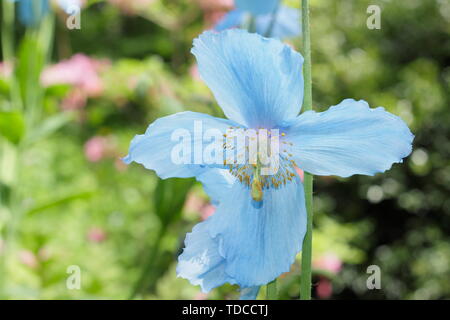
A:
259,159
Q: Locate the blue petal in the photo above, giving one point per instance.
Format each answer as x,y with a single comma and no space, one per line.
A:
257,7
232,19
32,12
350,138
70,6
257,81
286,24
202,265
259,240
249,293
154,148
200,262
245,242
216,182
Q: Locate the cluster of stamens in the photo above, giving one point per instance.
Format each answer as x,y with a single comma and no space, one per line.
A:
248,168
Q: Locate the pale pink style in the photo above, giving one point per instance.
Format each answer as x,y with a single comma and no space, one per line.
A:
300,173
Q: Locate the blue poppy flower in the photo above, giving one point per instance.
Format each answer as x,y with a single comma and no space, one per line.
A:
250,241
270,18
69,6
257,7
31,12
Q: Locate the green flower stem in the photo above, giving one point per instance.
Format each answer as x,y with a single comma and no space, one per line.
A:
7,38
8,31
305,277
273,20
149,265
272,293
251,27
6,151
11,156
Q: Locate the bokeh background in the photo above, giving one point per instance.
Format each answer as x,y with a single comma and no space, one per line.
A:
71,101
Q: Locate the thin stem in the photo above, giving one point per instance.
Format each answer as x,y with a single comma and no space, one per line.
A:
250,24
149,265
305,277
7,35
272,293
7,40
11,162
273,20
8,31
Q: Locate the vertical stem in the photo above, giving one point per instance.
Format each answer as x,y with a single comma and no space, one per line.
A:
7,36
305,278
273,20
251,24
8,31
7,39
149,265
272,293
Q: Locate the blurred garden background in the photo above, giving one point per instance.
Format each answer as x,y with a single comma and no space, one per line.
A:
71,101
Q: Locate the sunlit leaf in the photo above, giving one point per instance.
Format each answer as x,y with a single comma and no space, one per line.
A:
60,201
12,126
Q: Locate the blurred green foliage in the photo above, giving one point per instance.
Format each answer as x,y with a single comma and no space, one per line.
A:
124,227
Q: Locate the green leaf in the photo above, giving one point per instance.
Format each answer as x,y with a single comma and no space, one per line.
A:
30,63
12,126
60,201
4,87
169,198
58,90
49,126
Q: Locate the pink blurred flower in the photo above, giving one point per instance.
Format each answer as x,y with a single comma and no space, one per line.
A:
324,288
28,258
76,99
329,262
198,205
94,148
194,73
100,147
214,10
201,296
120,165
216,4
96,235
81,72
194,203
6,69
207,210
44,254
